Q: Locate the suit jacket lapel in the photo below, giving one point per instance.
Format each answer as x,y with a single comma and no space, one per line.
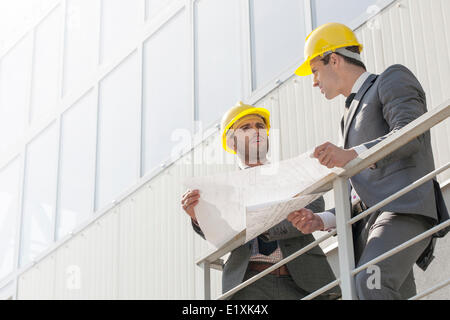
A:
345,123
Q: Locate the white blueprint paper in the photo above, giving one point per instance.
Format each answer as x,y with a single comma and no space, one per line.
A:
254,199
263,217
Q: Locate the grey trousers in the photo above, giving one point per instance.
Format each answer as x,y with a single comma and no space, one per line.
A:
393,278
270,287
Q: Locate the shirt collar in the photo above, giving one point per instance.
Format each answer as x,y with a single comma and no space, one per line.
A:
360,81
242,165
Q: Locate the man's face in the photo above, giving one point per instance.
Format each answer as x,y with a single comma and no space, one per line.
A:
325,76
250,137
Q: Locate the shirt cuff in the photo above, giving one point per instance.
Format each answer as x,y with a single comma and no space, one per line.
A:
328,219
360,149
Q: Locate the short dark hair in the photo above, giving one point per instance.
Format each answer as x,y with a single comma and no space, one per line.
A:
354,49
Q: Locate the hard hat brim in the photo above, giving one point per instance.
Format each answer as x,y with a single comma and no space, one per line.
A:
304,69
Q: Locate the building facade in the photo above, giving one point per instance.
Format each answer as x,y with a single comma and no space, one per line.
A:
107,105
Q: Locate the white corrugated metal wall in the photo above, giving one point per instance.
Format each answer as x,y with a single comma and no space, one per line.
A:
145,246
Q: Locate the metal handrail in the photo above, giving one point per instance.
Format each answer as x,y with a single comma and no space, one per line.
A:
402,246
431,290
399,247
338,181
398,194
325,288
385,256
277,265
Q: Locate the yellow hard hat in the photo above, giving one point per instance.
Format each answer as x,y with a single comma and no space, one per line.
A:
327,37
237,112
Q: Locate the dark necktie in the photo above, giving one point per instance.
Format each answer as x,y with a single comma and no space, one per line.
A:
349,100
266,248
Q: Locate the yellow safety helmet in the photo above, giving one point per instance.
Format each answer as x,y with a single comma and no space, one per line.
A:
326,38
237,112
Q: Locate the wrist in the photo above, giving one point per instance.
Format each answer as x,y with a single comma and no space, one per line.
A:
320,223
352,154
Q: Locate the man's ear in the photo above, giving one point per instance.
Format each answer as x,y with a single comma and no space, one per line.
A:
232,143
334,59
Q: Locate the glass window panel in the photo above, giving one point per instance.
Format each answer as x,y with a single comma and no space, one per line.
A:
9,200
17,15
278,34
15,76
167,109
120,21
218,58
46,65
346,12
39,194
77,164
119,135
153,7
80,59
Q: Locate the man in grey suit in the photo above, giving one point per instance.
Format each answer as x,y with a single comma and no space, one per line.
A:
245,133
376,107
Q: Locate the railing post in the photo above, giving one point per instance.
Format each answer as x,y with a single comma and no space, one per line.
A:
345,238
207,280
